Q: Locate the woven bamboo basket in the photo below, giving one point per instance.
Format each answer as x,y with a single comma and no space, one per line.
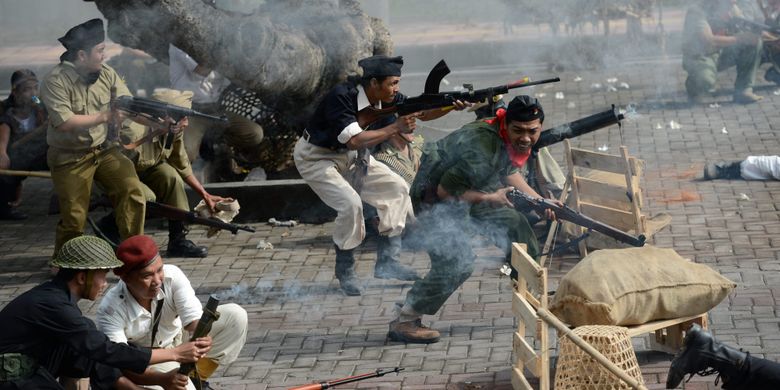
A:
576,370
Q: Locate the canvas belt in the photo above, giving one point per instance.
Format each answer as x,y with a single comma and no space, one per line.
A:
15,366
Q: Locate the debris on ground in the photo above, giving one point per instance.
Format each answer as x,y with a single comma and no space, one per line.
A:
277,223
264,245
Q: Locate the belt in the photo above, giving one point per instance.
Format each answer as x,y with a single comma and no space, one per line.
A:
308,138
15,366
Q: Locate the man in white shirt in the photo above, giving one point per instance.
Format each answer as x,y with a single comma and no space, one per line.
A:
153,303
207,85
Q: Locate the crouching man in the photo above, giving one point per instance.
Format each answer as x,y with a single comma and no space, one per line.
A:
153,303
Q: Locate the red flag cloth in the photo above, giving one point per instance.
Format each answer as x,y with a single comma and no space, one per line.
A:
518,159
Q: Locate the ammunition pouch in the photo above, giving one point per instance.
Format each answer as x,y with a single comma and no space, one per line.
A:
15,366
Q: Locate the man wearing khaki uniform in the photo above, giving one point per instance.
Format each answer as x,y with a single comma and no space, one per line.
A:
163,171
77,94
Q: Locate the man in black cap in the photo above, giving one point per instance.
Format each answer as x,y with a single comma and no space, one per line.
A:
329,148
459,191
77,94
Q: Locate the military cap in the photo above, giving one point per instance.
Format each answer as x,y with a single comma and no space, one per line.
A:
135,253
84,36
86,252
381,66
524,108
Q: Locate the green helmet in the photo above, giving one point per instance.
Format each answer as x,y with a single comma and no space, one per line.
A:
86,252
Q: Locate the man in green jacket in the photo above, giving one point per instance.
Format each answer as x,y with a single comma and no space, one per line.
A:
460,191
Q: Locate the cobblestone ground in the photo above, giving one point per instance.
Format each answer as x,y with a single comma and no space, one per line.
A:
302,329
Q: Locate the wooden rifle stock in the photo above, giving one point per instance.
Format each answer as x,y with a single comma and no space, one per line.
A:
176,214
328,384
523,202
208,317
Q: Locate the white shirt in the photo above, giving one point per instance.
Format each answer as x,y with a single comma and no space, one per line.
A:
183,78
354,128
124,320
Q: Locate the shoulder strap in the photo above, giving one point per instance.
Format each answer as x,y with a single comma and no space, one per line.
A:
156,320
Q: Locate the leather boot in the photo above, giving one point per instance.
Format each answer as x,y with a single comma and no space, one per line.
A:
179,245
723,170
388,251
345,272
412,332
703,355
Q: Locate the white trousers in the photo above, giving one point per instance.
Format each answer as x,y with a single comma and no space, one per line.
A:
228,336
761,168
324,170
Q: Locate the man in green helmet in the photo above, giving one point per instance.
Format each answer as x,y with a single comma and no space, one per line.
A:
45,335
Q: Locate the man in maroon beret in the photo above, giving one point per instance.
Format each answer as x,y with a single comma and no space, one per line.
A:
153,303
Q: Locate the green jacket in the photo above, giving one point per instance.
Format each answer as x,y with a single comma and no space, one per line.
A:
473,157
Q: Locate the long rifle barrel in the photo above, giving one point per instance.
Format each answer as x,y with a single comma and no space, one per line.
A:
579,127
328,384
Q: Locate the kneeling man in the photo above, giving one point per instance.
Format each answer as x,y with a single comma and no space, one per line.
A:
153,303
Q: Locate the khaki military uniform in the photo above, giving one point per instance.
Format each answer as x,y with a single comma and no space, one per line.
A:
79,157
703,61
162,170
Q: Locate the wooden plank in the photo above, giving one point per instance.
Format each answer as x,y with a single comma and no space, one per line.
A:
518,380
619,219
527,268
637,330
605,194
526,354
598,161
523,310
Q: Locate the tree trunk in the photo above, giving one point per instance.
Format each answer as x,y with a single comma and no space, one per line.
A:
289,52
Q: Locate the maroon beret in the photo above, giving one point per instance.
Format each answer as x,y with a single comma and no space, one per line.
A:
136,252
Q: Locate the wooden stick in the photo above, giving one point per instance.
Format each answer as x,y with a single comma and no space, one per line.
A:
593,352
11,172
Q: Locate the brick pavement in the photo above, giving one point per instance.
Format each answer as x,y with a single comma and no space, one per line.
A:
303,329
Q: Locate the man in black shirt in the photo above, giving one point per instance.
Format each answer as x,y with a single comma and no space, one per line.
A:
327,153
45,335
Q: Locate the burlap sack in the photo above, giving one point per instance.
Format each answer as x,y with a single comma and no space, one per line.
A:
636,285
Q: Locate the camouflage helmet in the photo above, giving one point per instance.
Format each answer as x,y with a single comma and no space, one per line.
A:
86,252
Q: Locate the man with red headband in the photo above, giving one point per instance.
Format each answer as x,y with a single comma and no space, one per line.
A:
460,191
151,305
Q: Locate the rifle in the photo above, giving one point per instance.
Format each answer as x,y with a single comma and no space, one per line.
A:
579,127
431,98
113,119
208,317
524,203
743,24
157,111
176,214
357,173
328,384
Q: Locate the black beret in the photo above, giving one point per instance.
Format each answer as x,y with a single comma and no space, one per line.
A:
524,108
381,66
84,36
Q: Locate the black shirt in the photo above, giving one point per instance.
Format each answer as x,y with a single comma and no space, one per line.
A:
43,320
337,110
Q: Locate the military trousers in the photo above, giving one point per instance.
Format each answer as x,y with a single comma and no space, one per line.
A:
324,169
228,336
73,175
26,154
166,184
446,230
757,374
703,69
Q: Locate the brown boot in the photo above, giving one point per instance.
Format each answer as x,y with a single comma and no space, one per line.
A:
746,97
412,332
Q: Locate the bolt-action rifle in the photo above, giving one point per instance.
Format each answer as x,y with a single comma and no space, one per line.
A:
431,98
157,111
524,203
176,214
328,384
208,317
742,24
